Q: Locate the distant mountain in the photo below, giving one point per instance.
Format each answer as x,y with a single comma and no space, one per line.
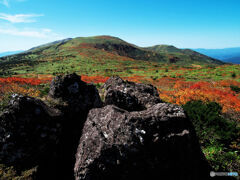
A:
9,53
227,55
189,56
117,47
104,51
235,60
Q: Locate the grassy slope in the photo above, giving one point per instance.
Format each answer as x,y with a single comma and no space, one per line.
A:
92,55
189,56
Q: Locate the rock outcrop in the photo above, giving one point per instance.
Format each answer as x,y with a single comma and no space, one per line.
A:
76,94
129,95
132,135
29,133
47,135
156,141
74,98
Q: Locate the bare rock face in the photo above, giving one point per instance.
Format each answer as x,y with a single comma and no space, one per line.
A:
33,133
29,132
156,143
76,99
78,95
130,96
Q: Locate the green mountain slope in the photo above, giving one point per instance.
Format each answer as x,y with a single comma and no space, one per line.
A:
95,54
164,49
185,56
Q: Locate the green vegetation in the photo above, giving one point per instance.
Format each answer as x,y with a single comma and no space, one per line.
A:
9,173
216,135
94,55
234,75
44,89
4,102
222,159
235,89
183,56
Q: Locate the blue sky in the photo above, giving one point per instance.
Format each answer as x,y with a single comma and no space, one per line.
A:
183,23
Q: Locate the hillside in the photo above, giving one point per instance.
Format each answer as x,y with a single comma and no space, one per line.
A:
187,56
84,54
50,44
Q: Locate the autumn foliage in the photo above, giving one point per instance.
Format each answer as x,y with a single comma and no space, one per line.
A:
173,90
178,91
16,88
25,86
219,92
94,79
30,81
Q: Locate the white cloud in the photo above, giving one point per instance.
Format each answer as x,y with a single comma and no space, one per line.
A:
14,38
42,33
5,2
47,30
19,18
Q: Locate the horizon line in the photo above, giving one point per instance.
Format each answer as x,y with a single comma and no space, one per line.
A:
125,41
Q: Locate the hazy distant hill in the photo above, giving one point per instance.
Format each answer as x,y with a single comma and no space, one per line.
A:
227,55
9,53
235,60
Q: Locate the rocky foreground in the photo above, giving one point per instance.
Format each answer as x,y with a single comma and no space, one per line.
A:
74,135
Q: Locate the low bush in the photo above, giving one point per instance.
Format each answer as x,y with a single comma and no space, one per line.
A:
209,124
235,89
216,135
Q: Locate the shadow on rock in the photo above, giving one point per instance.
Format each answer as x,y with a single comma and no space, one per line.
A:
33,133
135,136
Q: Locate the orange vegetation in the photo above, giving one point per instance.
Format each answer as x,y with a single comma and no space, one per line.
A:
30,81
13,88
94,79
173,90
219,92
25,86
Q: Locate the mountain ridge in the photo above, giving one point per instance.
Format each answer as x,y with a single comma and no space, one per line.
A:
193,55
102,51
161,53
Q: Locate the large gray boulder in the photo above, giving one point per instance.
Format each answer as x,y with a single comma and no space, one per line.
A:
75,93
29,133
74,98
156,143
129,95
